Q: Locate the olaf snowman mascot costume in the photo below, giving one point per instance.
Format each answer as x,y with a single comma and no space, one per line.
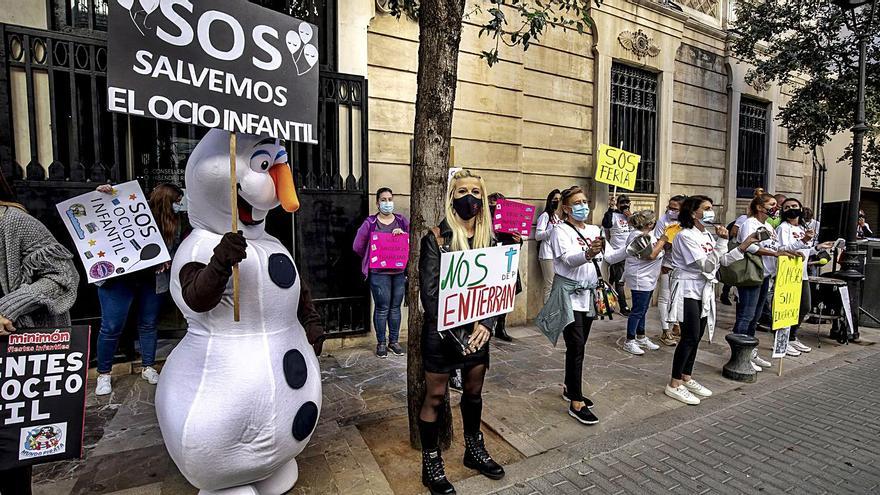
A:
237,401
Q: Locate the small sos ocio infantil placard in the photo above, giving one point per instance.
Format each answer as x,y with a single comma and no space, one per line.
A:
476,284
43,383
115,233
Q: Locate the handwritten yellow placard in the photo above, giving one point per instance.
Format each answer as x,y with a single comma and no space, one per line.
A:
787,292
617,167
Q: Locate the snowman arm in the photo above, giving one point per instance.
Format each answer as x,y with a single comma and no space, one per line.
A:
203,285
310,319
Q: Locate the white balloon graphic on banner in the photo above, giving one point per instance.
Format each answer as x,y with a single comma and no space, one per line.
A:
311,54
293,42
126,4
305,32
149,5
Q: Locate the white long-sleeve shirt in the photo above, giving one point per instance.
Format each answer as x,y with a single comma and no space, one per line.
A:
570,261
772,244
791,237
546,224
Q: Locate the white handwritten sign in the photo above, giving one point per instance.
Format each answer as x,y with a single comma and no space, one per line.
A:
476,284
114,234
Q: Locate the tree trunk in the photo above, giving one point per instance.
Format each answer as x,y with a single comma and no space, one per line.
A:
439,39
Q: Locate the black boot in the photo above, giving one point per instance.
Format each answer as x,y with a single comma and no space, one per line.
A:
476,457
501,331
434,474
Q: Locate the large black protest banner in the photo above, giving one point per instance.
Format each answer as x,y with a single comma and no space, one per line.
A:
42,395
216,63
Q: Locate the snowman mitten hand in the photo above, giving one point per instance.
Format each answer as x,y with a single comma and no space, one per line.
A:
231,250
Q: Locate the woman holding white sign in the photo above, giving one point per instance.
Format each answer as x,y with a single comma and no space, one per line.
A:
38,282
577,250
467,226
146,286
694,259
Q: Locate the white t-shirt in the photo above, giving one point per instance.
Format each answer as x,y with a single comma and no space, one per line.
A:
619,231
791,237
772,244
690,246
570,262
740,220
546,224
640,274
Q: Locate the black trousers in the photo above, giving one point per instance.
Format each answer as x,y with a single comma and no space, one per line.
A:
575,335
692,329
615,273
16,481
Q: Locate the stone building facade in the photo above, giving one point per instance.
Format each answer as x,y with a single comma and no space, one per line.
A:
655,75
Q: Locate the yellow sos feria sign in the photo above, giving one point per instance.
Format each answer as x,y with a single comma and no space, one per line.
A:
787,292
617,167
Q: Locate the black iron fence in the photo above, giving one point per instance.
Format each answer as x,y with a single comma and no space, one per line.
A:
751,160
634,119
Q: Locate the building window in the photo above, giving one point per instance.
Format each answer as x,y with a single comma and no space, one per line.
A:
751,160
634,119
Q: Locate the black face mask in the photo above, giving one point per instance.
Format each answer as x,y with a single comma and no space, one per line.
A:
467,206
554,205
791,214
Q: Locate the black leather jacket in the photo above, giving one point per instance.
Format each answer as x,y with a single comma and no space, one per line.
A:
429,277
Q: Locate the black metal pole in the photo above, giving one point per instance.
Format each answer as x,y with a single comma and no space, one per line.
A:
852,266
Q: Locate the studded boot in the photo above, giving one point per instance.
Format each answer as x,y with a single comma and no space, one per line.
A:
476,457
434,474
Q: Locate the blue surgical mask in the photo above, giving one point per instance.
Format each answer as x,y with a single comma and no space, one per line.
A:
580,212
708,217
386,207
672,214
180,206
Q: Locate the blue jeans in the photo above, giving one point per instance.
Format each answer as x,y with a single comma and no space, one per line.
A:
749,306
387,289
635,323
116,298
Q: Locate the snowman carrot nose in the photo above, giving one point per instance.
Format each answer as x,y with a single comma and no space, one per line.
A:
284,187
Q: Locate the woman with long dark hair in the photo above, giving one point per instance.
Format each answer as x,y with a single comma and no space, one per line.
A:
38,282
549,219
795,235
116,296
695,258
467,226
751,300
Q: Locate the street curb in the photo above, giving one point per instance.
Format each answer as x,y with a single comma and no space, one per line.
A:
567,455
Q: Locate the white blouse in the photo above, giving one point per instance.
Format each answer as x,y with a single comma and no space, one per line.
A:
570,261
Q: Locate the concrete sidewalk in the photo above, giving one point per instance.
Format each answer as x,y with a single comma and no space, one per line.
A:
360,445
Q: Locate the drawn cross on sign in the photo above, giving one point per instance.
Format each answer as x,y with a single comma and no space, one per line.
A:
510,254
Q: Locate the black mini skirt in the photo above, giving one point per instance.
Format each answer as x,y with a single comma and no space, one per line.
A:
443,355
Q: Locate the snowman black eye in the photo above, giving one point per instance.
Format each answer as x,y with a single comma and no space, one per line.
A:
265,165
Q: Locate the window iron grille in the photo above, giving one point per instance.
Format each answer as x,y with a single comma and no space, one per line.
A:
634,119
751,160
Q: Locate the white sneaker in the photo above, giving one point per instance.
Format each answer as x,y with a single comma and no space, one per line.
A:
695,388
647,344
760,362
104,386
755,366
682,394
797,344
632,347
791,351
150,375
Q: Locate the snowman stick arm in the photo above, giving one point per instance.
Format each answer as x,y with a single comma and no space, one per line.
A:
203,285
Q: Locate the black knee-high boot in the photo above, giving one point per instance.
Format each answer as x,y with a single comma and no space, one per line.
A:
433,472
475,454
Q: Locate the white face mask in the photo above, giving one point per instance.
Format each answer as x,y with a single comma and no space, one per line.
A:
708,217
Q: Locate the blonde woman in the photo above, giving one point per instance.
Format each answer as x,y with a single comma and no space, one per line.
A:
466,226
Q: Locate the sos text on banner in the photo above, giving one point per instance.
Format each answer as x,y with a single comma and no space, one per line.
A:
787,292
43,382
114,234
224,63
476,284
617,167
